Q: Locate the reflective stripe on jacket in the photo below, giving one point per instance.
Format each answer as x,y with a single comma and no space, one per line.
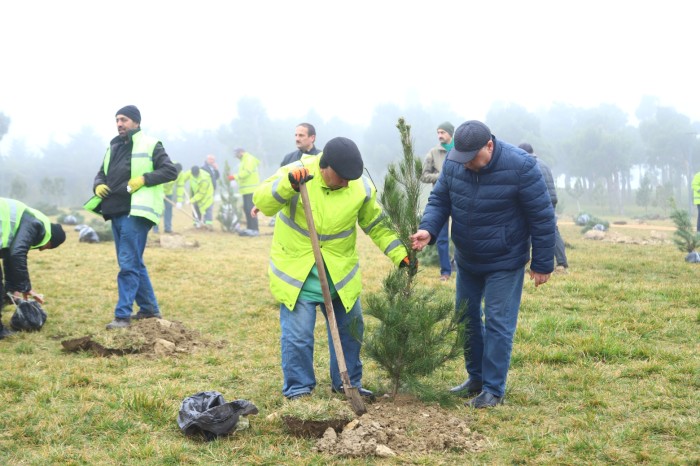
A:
10,215
336,216
147,202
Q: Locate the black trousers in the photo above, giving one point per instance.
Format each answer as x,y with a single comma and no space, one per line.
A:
250,221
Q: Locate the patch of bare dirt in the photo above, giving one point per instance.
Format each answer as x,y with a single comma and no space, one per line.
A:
171,241
156,337
399,426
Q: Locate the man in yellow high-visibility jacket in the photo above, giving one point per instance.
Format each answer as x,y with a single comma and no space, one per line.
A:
341,199
696,197
248,180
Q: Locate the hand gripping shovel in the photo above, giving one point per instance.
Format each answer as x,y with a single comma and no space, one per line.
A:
352,393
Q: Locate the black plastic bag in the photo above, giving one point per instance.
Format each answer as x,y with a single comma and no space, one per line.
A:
208,414
29,316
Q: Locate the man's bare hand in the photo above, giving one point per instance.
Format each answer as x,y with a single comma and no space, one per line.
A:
420,239
539,278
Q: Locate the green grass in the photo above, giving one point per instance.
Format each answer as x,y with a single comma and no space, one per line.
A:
605,366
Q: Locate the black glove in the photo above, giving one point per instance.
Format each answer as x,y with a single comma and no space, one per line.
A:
299,176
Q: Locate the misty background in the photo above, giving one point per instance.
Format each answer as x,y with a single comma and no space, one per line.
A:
606,92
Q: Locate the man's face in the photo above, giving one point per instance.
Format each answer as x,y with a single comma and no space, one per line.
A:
482,158
303,140
332,179
125,124
211,160
444,137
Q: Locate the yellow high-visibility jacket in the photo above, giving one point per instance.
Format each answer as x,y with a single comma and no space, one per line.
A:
696,188
336,216
201,188
248,177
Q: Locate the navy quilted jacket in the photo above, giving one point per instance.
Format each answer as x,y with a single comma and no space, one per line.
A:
497,213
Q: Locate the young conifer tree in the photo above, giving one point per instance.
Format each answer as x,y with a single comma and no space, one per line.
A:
229,212
418,330
684,238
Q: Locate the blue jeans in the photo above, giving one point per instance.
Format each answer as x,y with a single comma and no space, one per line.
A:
133,282
489,342
443,248
298,345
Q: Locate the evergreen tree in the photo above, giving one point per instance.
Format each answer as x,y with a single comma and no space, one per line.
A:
644,193
684,237
229,212
418,328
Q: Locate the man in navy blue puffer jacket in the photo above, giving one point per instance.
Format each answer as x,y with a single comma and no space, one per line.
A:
500,209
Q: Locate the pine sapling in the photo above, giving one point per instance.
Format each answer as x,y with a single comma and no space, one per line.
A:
418,328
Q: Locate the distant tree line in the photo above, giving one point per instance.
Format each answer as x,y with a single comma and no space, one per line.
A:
595,150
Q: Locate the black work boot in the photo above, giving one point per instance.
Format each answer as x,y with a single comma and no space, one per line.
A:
467,388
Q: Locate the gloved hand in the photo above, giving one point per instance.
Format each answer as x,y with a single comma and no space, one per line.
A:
135,184
299,176
405,262
179,205
231,177
102,190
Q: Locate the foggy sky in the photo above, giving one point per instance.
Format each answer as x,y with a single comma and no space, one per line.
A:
185,65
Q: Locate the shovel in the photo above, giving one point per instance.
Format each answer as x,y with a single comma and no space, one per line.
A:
181,210
352,393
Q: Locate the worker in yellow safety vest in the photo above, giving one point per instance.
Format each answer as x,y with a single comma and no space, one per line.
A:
21,229
341,198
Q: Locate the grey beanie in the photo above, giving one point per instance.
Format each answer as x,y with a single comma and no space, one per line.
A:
447,127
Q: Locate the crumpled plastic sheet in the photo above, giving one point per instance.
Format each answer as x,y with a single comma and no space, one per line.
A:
208,414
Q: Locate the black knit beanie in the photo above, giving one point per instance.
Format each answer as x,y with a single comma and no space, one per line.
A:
343,156
131,112
58,236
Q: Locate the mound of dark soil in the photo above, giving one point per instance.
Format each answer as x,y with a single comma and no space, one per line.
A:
158,337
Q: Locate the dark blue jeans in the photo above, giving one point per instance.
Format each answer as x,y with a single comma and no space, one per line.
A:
298,345
133,282
443,248
489,342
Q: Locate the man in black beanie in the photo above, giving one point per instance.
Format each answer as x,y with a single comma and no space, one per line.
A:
21,229
340,199
129,191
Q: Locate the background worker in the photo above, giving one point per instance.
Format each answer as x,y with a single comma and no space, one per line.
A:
500,208
696,197
248,179
305,139
340,200
562,264
170,194
202,198
128,191
431,171
211,167
21,229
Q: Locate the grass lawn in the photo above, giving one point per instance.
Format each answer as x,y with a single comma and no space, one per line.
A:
605,368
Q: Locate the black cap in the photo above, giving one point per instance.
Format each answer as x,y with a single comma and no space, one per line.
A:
469,138
58,236
343,156
131,112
